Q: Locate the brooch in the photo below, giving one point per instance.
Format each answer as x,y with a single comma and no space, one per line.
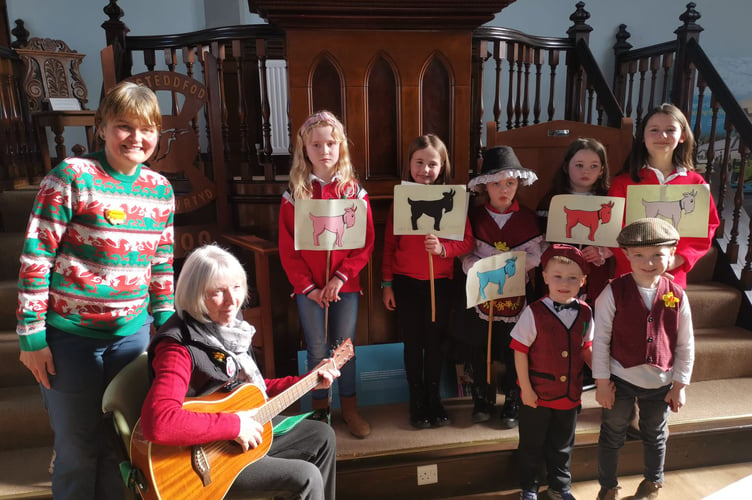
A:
670,300
501,246
114,216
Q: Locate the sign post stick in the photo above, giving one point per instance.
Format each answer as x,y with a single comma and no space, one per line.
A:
490,332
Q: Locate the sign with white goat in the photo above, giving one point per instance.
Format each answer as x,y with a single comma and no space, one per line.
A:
587,220
438,209
330,224
685,206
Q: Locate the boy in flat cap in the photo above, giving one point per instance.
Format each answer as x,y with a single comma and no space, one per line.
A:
644,344
500,224
552,341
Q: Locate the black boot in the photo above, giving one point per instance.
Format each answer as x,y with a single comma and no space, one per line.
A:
437,415
482,407
418,407
511,408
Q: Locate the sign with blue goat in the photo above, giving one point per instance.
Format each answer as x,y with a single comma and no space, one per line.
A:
330,224
587,220
684,206
438,209
495,277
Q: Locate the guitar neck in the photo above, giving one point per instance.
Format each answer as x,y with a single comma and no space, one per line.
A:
283,400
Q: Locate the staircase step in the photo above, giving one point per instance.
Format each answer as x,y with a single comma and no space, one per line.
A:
23,419
8,304
12,372
722,353
24,473
704,268
713,304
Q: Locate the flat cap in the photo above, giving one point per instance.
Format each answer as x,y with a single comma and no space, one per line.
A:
568,251
648,232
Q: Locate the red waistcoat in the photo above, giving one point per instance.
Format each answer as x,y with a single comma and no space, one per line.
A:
555,359
520,228
642,336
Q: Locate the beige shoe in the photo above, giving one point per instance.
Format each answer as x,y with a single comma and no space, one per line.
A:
609,493
357,426
647,490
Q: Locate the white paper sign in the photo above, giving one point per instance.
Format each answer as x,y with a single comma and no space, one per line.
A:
501,275
330,224
439,209
586,220
685,206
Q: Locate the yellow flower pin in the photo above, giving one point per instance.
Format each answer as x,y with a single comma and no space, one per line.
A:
501,246
670,300
219,356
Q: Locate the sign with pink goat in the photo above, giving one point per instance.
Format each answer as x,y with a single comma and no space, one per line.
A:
330,224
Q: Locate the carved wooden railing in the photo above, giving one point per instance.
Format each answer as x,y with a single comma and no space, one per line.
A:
530,70
680,72
20,162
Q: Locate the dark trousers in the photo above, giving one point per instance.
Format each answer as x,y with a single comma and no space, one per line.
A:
475,349
546,438
301,464
653,421
422,337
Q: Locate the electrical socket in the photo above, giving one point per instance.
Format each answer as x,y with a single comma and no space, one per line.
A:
428,474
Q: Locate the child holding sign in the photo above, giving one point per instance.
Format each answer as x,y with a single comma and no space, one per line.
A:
321,169
499,225
662,154
406,274
583,171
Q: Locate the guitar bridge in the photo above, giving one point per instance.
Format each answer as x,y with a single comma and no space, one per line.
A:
200,463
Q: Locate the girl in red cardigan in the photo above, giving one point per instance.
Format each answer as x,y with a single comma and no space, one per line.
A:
321,169
406,287
662,154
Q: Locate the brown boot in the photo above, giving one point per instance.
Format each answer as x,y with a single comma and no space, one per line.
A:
355,423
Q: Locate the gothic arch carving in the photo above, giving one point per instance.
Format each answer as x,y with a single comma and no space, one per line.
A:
383,105
326,86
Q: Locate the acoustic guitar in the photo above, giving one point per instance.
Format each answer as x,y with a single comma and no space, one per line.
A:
207,471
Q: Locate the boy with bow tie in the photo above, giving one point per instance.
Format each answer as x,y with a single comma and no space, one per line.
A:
552,341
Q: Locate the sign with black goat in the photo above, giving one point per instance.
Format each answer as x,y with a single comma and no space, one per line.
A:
439,209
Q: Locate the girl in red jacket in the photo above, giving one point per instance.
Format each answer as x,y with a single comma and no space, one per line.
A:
406,287
662,154
321,170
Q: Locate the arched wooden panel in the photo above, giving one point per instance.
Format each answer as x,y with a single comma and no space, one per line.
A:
383,120
326,86
436,101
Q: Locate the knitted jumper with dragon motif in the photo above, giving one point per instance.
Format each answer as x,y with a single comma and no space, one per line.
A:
98,253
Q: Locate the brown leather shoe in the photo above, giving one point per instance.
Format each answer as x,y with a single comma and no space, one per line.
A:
609,493
647,490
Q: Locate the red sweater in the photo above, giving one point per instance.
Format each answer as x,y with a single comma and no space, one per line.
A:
691,249
405,254
306,269
163,420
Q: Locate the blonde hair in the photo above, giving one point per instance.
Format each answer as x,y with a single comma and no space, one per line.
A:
129,100
300,183
429,141
203,268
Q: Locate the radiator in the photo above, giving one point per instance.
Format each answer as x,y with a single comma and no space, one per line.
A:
276,82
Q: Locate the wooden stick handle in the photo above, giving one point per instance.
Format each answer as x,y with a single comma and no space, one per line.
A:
433,288
490,332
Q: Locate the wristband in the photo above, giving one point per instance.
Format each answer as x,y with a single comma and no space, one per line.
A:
386,284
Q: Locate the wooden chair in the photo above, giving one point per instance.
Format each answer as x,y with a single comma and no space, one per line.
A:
541,147
56,94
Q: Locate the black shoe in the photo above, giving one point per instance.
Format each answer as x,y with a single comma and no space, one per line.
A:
321,415
418,407
482,411
510,413
437,415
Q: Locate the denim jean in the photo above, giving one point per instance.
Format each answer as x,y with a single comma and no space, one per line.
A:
86,465
343,317
653,420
